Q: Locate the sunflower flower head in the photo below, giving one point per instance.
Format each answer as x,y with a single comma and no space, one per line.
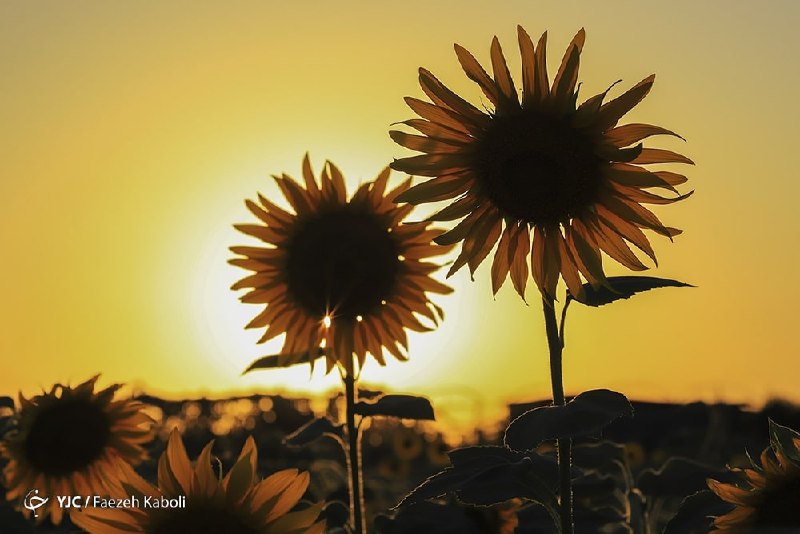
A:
239,503
551,182
340,275
73,441
767,499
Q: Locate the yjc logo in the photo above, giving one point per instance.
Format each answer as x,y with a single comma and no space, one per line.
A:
33,502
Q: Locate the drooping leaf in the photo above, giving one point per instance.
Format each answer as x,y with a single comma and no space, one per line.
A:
679,477
280,361
585,414
314,430
623,287
785,440
484,476
402,406
695,515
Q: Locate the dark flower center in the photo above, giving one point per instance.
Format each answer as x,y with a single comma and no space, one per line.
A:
537,167
342,261
779,504
200,520
67,436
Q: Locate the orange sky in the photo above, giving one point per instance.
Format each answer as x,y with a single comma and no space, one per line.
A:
131,134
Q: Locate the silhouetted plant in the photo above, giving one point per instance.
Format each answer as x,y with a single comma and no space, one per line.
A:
342,278
551,182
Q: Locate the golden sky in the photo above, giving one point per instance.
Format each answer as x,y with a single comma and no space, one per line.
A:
131,133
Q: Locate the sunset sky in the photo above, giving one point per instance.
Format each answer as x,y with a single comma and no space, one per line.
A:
132,132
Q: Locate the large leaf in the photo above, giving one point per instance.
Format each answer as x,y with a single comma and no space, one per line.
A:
484,476
695,515
679,477
785,440
585,414
402,406
622,287
281,361
314,430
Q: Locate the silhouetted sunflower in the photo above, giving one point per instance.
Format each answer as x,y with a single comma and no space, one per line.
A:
73,441
531,168
343,274
771,502
236,504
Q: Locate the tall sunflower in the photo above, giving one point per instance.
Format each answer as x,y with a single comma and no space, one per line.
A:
237,504
770,500
340,273
539,175
73,441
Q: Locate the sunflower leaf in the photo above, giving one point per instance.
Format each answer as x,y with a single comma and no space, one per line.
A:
622,287
678,477
402,406
785,440
314,430
585,414
696,514
280,361
484,476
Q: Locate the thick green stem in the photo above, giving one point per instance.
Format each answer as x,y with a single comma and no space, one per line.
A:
357,518
554,343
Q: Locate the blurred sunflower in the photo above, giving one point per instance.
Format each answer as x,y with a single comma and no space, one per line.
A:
73,441
343,274
236,504
770,504
541,175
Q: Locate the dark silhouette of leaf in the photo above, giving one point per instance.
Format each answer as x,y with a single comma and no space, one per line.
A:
696,513
281,361
785,440
313,430
485,476
678,477
622,287
402,406
484,455
6,402
585,414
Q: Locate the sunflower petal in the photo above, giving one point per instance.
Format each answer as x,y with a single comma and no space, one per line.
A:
501,265
542,83
422,143
567,76
528,56
518,256
502,76
658,155
633,133
444,117
611,112
475,72
441,95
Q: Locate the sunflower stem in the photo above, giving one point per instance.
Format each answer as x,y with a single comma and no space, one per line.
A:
357,518
555,344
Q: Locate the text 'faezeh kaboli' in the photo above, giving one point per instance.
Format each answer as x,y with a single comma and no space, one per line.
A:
97,501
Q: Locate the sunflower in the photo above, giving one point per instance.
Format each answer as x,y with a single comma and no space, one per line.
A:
771,501
342,274
73,441
540,175
202,503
